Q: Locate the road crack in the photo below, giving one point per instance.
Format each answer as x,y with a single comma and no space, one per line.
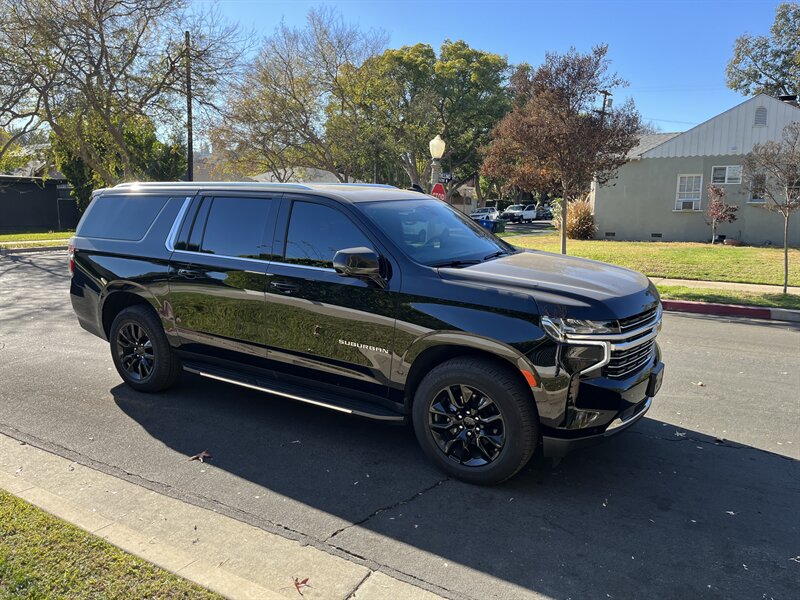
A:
378,511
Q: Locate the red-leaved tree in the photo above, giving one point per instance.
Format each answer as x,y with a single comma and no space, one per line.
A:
718,210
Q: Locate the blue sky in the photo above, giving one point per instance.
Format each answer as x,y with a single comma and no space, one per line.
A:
673,53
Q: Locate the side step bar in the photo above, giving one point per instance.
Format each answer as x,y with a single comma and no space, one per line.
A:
314,397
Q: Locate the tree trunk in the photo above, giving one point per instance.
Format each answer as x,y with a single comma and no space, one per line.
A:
786,252
564,203
713,231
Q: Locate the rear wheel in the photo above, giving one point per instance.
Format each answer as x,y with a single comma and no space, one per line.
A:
141,352
475,420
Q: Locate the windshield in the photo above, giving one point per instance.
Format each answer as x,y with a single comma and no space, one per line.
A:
515,207
433,233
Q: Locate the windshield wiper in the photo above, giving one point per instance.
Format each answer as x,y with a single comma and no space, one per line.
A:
455,263
496,254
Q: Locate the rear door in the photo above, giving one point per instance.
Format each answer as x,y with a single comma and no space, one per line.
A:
218,275
321,326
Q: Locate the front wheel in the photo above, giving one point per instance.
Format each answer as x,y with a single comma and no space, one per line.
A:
141,352
475,420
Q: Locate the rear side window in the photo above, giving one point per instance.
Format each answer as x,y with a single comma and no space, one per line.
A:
121,217
317,232
235,227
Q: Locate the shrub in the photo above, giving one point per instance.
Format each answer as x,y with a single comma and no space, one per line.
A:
580,220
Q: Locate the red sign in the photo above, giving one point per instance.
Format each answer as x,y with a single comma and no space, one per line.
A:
438,191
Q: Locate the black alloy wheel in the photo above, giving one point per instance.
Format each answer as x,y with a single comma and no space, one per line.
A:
135,351
467,425
475,418
141,351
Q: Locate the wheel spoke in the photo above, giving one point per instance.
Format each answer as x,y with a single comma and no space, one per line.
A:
466,394
492,419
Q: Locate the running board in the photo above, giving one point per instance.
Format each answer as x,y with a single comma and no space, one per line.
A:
325,400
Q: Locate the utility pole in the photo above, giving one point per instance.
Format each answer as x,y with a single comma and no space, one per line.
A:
606,103
189,137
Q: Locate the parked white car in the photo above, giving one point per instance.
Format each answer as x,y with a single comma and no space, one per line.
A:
513,213
528,214
489,213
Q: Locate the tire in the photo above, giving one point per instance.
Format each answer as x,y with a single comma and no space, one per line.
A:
141,352
436,424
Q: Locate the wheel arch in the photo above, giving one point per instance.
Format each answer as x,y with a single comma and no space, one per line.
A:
120,295
433,350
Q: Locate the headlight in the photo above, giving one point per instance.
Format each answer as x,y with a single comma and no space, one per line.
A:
558,328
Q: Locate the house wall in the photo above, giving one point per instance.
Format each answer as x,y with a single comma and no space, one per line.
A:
641,202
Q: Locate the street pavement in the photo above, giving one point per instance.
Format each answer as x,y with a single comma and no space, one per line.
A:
699,499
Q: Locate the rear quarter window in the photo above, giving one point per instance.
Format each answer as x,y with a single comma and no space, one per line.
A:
121,217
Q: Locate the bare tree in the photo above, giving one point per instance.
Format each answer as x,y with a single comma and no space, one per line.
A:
66,63
555,137
773,171
718,210
280,110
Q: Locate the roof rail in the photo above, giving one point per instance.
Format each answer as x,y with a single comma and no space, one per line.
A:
194,184
372,185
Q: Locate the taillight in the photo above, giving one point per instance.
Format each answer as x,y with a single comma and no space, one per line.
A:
71,256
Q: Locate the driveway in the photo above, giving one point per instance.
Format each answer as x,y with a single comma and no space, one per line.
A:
700,499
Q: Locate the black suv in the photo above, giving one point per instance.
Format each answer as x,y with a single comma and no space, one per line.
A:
372,301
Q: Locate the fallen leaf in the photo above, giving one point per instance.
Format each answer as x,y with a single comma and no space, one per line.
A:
202,456
300,584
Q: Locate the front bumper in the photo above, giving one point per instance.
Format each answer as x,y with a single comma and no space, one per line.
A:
558,442
557,446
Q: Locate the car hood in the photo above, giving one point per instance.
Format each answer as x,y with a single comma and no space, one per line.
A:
564,285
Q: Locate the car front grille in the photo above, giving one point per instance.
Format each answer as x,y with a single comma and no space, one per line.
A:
626,362
628,356
636,321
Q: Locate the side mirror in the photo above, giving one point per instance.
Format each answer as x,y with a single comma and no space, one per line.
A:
359,262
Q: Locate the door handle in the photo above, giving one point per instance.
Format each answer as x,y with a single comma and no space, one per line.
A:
286,288
188,273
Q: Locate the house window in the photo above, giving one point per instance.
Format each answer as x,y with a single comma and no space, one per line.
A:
690,190
757,189
729,174
761,117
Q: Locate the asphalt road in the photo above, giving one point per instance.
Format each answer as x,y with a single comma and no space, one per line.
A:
665,510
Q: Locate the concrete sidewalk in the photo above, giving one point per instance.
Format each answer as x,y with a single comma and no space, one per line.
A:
222,554
726,285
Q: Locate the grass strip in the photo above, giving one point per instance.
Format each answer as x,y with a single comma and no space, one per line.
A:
681,260
42,557
679,292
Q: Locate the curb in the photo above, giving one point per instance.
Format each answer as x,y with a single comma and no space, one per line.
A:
732,310
227,556
32,249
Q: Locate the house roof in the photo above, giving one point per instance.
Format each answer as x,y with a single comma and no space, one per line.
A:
733,132
649,141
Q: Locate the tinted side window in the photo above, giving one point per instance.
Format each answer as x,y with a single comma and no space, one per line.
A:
235,227
317,232
121,217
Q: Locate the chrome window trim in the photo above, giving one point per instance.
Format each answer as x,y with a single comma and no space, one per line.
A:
207,255
173,232
313,268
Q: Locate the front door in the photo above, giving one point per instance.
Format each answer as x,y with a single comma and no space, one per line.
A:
321,326
218,275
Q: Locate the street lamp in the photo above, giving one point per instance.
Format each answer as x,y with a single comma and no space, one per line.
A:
437,146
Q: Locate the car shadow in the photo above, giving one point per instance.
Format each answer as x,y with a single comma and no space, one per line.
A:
657,511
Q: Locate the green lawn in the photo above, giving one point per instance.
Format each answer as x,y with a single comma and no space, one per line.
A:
680,260
42,557
679,292
35,236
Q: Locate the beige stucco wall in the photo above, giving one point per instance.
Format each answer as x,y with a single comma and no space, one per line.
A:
641,201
